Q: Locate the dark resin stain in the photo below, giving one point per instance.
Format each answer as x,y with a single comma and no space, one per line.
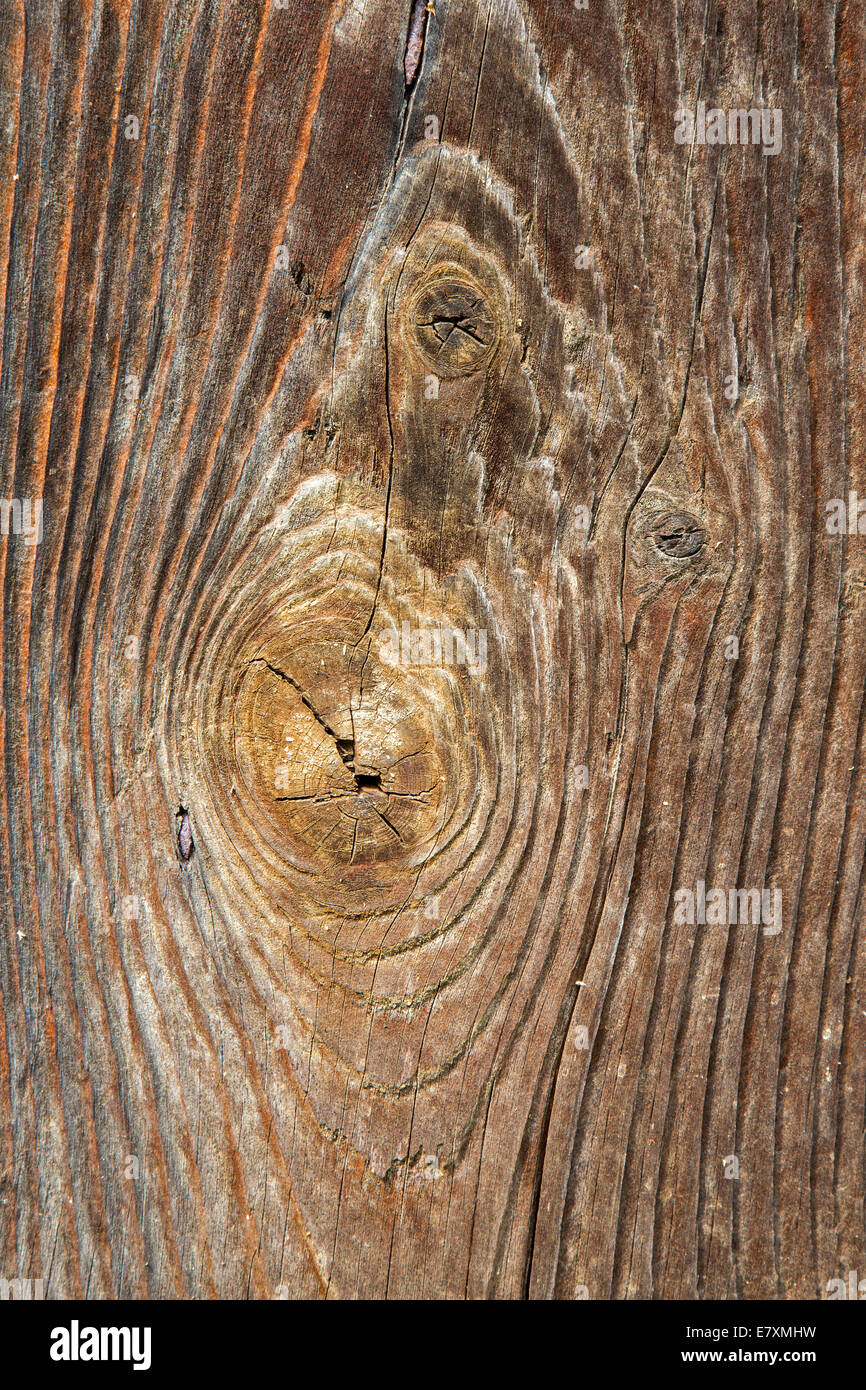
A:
185,845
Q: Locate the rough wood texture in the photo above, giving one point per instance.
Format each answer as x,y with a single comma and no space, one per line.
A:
337,962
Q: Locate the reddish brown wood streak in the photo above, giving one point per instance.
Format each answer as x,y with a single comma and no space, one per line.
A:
415,41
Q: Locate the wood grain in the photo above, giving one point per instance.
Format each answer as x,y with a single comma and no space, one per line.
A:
434,584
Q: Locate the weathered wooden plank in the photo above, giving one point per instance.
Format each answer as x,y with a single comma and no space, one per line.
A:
434,599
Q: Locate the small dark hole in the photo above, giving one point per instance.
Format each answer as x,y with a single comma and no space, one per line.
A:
346,749
368,781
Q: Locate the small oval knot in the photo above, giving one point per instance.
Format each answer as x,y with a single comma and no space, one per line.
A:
455,328
678,535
